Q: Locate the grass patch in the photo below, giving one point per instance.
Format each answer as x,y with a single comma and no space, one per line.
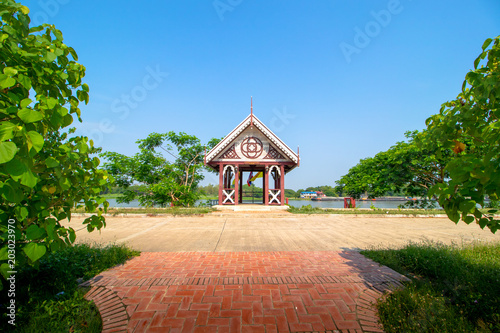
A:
308,209
454,288
48,298
176,211
111,195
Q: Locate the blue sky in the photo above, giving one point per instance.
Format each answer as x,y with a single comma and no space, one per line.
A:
342,79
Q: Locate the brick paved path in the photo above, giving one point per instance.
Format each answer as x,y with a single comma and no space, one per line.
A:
321,291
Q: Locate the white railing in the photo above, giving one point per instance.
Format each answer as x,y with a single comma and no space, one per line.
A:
228,196
274,196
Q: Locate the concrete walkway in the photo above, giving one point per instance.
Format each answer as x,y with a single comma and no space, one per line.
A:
255,273
276,232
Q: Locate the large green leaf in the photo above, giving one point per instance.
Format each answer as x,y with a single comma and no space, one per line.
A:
4,269
7,82
10,191
34,251
50,56
82,147
467,206
29,116
34,232
25,102
25,10
64,183
24,80
7,130
51,162
50,227
21,213
4,253
10,71
51,102
20,172
486,43
36,140
72,235
7,151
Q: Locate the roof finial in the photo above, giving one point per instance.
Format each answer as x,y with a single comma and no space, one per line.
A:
298,156
251,111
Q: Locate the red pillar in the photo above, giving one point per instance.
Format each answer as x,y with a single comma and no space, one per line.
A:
221,181
236,183
266,186
263,181
241,190
282,184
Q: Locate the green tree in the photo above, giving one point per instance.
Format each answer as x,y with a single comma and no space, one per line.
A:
469,126
166,182
44,172
209,190
289,193
326,189
410,167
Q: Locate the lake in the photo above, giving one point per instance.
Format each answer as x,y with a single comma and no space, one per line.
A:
299,203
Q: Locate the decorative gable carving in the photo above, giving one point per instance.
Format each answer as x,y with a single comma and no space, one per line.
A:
230,153
252,147
273,154
252,141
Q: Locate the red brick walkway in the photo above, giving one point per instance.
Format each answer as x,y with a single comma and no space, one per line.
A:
242,291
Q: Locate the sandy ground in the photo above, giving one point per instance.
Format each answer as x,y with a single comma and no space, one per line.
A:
276,232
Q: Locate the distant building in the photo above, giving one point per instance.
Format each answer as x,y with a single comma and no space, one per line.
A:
312,194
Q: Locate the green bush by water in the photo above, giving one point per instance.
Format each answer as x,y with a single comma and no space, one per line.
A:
454,288
175,211
48,298
308,209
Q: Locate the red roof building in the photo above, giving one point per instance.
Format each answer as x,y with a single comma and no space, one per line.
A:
251,147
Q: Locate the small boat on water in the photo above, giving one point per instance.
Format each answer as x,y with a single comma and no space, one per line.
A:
327,199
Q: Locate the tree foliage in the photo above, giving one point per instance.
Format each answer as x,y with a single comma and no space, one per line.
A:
469,126
326,189
455,160
166,182
209,190
289,193
407,168
44,172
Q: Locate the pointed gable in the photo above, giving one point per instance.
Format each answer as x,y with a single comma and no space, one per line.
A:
251,141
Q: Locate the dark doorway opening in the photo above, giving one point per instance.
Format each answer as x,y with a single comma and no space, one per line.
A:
253,194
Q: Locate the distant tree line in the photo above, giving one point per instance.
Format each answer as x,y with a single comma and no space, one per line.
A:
213,190
139,189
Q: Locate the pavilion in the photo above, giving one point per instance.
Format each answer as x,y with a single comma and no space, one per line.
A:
252,147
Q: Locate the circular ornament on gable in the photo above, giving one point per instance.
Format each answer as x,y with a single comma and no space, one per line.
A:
251,147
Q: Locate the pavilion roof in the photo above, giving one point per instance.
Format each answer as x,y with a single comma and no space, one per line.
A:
251,120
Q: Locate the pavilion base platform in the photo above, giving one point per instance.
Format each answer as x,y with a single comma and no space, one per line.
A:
250,208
